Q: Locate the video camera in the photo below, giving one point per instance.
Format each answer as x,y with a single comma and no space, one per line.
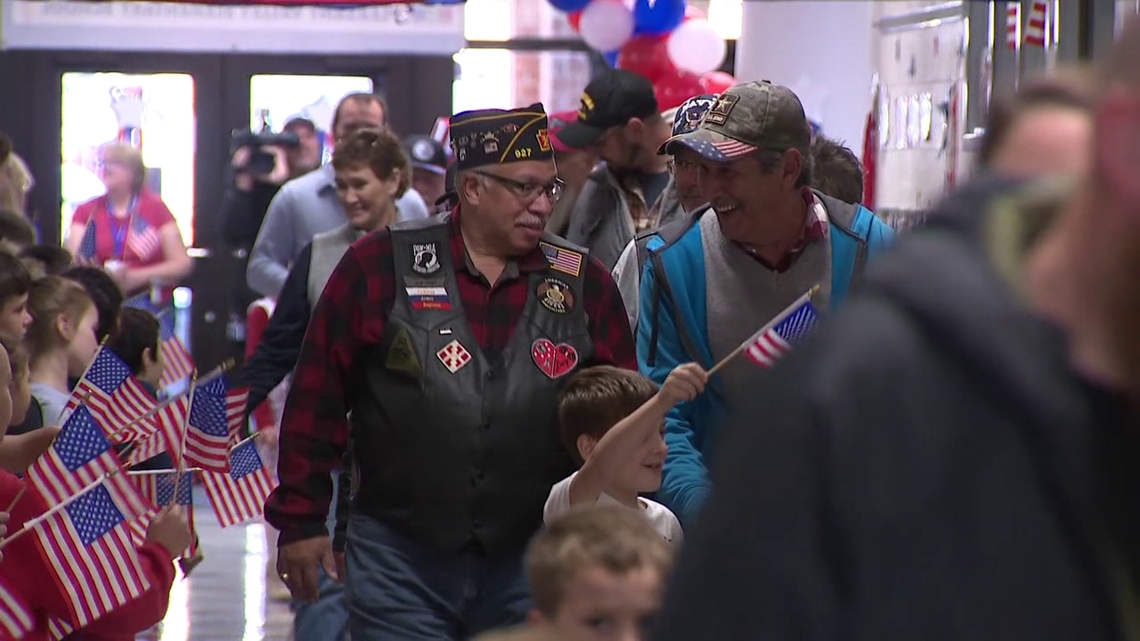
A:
261,162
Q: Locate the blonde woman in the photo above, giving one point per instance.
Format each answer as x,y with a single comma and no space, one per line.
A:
128,231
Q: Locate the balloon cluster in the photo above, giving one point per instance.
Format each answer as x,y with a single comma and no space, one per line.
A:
666,41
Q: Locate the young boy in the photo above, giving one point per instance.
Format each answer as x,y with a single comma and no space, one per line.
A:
15,282
596,574
613,423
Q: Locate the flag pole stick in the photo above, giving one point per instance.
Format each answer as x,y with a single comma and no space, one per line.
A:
16,499
182,445
772,323
166,471
245,440
30,525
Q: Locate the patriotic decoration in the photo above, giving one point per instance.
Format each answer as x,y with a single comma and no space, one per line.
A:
777,339
157,488
178,364
1012,24
240,494
1035,23
15,620
80,455
565,261
88,544
114,397
171,422
215,417
143,240
58,629
87,244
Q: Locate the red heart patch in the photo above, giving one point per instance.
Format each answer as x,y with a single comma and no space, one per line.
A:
553,360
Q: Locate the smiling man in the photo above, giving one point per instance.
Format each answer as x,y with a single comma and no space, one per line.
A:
767,237
448,340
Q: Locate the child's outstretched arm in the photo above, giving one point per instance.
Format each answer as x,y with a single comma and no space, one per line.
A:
623,440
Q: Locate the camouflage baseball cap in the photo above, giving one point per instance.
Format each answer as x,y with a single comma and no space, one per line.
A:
748,117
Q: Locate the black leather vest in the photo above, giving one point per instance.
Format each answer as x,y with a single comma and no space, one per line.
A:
453,444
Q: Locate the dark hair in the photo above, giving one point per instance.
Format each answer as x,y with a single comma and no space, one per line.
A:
15,279
104,291
136,331
55,260
1068,89
360,98
49,298
5,147
836,170
15,229
380,150
595,399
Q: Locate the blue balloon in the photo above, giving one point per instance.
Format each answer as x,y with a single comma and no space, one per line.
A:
658,19
569,6
611,58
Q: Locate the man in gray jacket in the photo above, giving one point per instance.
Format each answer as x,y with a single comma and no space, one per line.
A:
619,119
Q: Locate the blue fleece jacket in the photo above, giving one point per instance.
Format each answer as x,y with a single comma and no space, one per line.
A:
690,428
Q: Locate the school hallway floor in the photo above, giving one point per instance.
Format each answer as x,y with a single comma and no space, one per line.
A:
225,597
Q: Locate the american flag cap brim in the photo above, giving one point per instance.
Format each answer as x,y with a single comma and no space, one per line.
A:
710,145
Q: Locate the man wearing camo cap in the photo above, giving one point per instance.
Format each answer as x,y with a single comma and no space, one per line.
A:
765,240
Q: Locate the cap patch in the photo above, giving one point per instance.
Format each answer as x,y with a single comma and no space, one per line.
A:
586,107
543,138
718,113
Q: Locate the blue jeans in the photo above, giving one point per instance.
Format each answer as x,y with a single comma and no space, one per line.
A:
401,589
325,619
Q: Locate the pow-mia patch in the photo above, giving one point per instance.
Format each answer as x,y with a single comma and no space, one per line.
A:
555,295
718,113
402,354
425,258
543,139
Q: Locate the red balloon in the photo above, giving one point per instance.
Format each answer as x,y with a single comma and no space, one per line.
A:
575,20
717,82
693,13
645,55
676,87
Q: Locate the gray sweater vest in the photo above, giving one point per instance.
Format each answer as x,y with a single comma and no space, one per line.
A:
327,250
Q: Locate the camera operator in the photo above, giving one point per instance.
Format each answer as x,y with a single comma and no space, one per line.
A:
256,182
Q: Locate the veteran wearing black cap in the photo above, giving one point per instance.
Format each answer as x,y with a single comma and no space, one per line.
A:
448,340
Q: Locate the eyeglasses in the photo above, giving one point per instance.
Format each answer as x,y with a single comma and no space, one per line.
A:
686,166
528,191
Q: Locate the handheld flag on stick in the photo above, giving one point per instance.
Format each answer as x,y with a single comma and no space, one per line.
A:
112,394
776,338
239,495
176,358
80,455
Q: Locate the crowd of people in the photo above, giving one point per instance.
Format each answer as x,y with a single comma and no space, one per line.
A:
522,373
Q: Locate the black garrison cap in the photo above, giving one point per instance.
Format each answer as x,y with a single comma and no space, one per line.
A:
499,136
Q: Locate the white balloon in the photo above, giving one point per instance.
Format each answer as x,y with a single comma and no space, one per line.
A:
606,25
696,47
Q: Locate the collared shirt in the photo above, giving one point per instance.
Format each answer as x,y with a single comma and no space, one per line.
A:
350,318
816,228
305,206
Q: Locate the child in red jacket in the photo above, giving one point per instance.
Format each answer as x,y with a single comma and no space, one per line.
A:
24,569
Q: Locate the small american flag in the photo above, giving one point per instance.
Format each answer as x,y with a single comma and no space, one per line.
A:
87,243
789,327
89,547
157,487
15,620
562,260
58,629
733,148
1036,23
240,494
143,240
171,419
215,417
80,455
113,395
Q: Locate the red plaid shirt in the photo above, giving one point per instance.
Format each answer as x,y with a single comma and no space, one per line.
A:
351,317
815,228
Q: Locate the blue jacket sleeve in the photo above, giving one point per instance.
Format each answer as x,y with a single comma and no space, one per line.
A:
685,478
277,352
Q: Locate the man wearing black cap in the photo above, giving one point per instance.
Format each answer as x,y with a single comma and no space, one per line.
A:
429,166
619,119
448,340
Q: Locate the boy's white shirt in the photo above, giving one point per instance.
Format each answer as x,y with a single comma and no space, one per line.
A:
662,519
